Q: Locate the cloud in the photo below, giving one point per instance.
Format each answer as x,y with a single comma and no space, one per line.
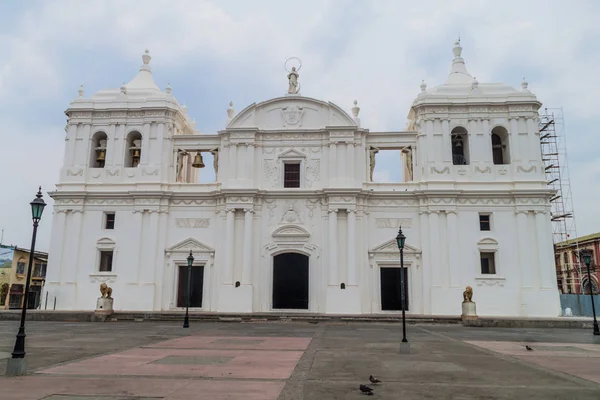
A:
215,52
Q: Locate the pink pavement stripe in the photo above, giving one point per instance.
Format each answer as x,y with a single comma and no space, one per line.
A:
246,364
38,387
583,364
220,342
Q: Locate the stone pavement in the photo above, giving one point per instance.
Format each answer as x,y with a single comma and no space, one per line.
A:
268,361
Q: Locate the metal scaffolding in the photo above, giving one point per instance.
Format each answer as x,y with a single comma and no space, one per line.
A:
554,155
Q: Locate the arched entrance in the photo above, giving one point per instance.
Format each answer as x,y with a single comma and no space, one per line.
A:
290,281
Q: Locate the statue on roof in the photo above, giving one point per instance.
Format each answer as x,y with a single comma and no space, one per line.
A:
293,81
293,75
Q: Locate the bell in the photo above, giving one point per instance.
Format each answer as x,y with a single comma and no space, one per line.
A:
101,155
198,162
136,153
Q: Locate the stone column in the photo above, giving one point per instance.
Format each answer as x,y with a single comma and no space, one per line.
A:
524,256
350,163
342,178
232,161
534,144
434,248
446,141
57,247
487,140
247,265
250,161
70,146
426,265
351,247
513,134
333,267
452,235
546,267
144,159
229,246
332,163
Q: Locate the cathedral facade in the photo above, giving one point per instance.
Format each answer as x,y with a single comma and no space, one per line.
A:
294,221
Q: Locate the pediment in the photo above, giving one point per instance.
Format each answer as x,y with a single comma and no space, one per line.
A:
190,244
488,242
391,246
292,232
106,241
291,112
292,154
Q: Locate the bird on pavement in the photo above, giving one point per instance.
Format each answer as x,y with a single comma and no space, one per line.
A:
373,379
366,390
528,348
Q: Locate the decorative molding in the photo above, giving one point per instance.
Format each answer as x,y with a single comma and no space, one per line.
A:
100,277
291,216
192,222
75,172
490,280
485,170
149,172
292,116
394,223
312,172
193,201
445,170
528,170
502,171
486,201
113,171
272,172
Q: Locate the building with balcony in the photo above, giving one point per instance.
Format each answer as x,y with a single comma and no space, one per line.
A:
570,271
14,262
294,221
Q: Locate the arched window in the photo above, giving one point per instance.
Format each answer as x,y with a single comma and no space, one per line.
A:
98,150
133,149
460,146
500,145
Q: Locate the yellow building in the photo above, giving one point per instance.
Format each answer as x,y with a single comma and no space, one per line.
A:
13,271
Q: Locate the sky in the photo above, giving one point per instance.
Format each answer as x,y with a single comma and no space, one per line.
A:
214,52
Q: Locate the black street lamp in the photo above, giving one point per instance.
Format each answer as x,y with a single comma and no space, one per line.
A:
190,261
400,239
587,260
17,364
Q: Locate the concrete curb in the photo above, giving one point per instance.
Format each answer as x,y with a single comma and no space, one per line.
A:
133,316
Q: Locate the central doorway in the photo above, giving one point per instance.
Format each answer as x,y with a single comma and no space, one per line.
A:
390,289
290,281
197,280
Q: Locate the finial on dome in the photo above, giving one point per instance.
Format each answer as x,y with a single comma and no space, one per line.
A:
185,109
475,83
230,110
194,123
423,86
524,84
355,109
123,88
457,50
168,88
81,91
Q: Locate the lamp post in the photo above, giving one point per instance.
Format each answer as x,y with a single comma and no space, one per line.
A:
400,239
190,262
587,260
17,364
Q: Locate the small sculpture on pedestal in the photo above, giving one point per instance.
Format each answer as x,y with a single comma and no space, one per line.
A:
468,305
104,305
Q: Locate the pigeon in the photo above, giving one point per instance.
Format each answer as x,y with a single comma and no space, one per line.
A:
373,379
366,390
528,348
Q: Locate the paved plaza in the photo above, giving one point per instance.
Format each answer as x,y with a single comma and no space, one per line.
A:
284,360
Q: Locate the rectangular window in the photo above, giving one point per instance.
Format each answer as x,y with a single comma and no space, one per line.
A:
488,264
106,259
109,222
484,222
37,270
21,268
291,178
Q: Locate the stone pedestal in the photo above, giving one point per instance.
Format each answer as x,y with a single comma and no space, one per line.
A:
404,348
16,367
468,311
104,306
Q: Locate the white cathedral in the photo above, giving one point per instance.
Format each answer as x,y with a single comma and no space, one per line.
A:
294,221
